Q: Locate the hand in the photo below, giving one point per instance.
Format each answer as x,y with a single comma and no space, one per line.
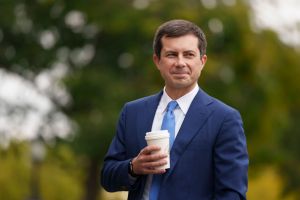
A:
147,160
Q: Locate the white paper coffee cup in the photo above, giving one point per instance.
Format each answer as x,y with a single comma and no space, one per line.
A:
160,138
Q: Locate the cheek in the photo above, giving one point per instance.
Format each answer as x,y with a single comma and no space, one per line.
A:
164,71
165,66
197,70
199,66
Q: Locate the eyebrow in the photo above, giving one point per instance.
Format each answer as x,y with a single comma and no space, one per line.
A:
172,51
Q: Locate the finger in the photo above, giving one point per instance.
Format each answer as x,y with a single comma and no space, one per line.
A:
153,157
153,165
149,149
154,171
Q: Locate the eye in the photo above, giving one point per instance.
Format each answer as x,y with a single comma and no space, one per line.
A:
171,54
189,55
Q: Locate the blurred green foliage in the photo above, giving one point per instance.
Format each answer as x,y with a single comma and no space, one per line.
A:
15,172
61,175
252,71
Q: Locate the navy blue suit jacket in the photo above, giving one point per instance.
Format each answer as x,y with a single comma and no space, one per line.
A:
209,157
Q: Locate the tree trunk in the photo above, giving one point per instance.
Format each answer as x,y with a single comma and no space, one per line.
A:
92,189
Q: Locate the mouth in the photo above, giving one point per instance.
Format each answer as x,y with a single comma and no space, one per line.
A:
180,75
179,72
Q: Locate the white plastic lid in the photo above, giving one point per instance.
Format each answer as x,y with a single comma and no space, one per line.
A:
157,134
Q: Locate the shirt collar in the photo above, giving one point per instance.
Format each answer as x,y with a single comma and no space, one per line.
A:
184,102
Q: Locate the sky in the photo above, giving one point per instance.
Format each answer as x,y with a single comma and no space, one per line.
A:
282,16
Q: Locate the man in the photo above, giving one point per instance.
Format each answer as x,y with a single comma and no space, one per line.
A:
208,158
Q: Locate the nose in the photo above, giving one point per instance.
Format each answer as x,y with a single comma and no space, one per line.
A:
180,61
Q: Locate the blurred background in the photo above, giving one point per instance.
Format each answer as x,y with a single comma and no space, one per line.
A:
68,66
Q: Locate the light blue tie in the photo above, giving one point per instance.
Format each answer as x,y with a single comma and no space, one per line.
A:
168,123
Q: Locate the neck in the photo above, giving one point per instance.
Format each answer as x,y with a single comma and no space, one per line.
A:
176,93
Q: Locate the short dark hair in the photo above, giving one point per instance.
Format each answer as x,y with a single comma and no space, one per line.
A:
177,28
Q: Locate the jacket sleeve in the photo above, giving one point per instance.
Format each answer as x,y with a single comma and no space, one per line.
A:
231,159
114,173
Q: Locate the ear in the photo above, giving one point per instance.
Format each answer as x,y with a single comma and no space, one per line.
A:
203,60
156,60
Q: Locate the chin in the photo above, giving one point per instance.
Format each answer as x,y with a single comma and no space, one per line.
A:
181,85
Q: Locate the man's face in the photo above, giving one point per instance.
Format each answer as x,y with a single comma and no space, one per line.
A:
180,64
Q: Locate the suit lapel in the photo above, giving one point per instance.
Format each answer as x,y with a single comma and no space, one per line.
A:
195,118
146,116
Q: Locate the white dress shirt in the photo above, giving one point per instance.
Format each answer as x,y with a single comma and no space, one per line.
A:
184,103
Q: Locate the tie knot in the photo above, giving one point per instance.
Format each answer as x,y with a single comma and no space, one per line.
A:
172,105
